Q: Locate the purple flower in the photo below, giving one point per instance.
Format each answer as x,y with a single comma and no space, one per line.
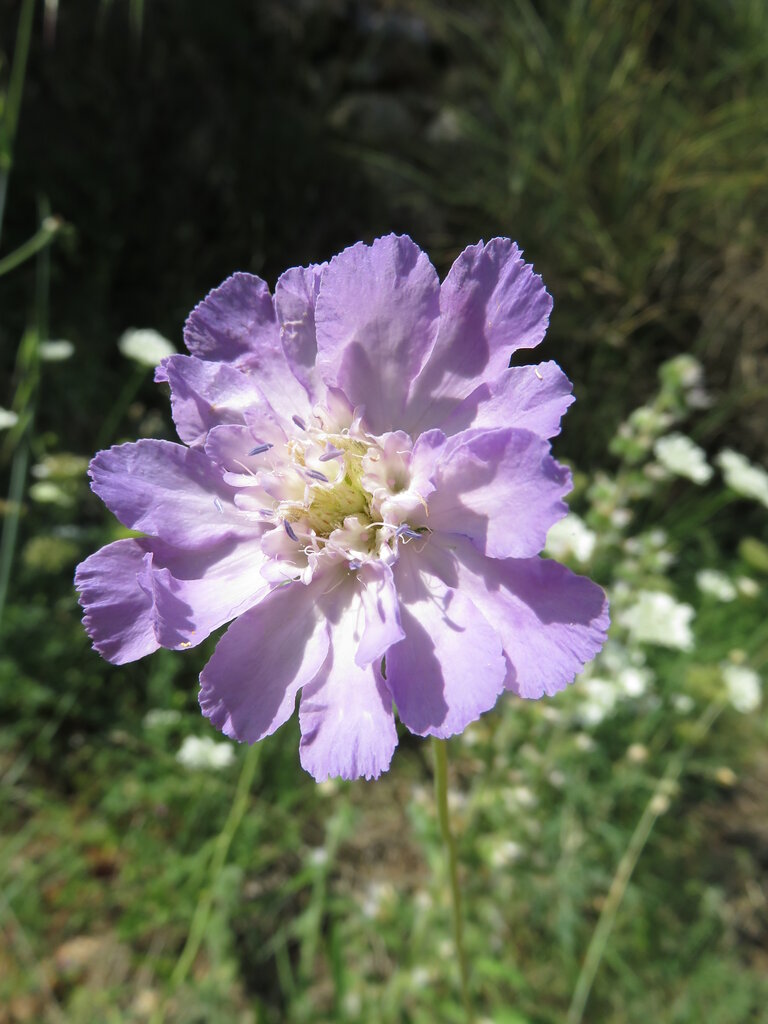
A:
364,487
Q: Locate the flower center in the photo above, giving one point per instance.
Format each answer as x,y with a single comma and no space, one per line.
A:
330,466
335,493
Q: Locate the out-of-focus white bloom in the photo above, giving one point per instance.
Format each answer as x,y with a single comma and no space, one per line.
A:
145,346
524,797
56,351
620,517
161,718
699,398
683,702
659,804
472,735
46,492
584,742
657,618
743,687
420,977
378,897
203,752
679,455
637,753
318,857
743,477
747,586
716,584
634,682
8,419
649,420
505,853
571,538
598,700
726,776
684,370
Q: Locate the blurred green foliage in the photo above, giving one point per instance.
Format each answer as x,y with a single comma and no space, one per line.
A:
625,147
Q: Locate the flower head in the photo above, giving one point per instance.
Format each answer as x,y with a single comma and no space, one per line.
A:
364,487
743,477
679,455
657,618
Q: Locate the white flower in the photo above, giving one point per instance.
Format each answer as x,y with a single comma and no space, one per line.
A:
8,419
637,753
504,853
744,478
743,687
571,538
161,718
716,584
598,701
56,351
685,370
657,618
747,586
145,346
679,455
683,703
203,752
378,897
633,682
46,492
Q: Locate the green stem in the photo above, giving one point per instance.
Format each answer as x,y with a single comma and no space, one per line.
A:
25,403
653,809
440,749
33,245
204,906
13,98
131,388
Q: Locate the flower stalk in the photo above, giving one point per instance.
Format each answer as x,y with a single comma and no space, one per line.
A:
440,749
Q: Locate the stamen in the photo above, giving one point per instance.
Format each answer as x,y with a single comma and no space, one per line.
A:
217,503
354,565
317,475
299,422
266,512
332,453
406,531
289,530
260,449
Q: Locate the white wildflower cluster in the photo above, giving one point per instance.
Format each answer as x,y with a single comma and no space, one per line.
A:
145,346
8,419
716,584
618,674
161,718
679,455
571,539
742,476
202,753
743,687
56,351
648,552
655,617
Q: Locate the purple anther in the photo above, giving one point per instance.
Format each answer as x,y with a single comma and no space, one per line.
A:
354,565
299,422
332,453
260,449
317,475
406,531
289,530
217,504
266,512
